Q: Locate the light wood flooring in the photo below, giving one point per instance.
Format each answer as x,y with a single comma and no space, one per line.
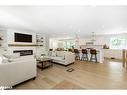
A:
87,75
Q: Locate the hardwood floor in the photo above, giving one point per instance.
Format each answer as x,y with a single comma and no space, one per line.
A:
87,75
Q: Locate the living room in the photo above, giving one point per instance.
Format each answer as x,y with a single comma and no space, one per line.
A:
63,47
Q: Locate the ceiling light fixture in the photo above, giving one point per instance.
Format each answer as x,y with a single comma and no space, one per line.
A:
93,37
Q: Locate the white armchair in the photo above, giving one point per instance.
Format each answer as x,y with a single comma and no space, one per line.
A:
17,71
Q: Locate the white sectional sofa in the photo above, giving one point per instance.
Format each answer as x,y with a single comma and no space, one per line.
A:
62,57
17,70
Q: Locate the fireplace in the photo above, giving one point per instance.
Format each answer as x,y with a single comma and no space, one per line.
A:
24,52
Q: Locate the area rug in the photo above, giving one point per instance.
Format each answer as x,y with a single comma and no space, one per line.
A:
67,85
70,70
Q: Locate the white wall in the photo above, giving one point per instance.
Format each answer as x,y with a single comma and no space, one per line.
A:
3,47
53,43
60,44
47,42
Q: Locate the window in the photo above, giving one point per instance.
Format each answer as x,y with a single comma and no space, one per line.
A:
68,44
118,43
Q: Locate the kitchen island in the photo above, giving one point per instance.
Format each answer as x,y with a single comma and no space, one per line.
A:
100,54
100,57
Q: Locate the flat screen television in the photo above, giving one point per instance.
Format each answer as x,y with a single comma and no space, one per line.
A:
19,37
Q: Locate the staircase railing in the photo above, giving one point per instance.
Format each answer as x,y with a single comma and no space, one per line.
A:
125,59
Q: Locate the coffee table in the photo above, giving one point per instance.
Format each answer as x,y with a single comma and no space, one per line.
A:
43,63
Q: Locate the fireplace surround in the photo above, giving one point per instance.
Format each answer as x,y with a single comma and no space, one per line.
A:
24,52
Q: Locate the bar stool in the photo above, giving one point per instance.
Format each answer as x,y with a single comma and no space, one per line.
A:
84,54
77,54
70,50
93,53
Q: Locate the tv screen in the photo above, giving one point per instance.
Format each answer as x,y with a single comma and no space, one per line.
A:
19,37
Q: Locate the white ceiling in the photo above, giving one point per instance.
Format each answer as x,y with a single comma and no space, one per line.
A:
66,20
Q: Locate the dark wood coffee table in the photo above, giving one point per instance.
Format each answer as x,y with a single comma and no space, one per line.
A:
43,63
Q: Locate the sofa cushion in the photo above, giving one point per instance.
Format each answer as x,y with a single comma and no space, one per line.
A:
53,54
0,60
12,56
58,59
14,59
61,54
49,53
3,59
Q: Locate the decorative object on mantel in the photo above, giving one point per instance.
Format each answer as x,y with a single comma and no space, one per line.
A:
105,46
40,40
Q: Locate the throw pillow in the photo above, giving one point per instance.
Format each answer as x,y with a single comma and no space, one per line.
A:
0,60
64,57
3,59
10,56
50,53
53,54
